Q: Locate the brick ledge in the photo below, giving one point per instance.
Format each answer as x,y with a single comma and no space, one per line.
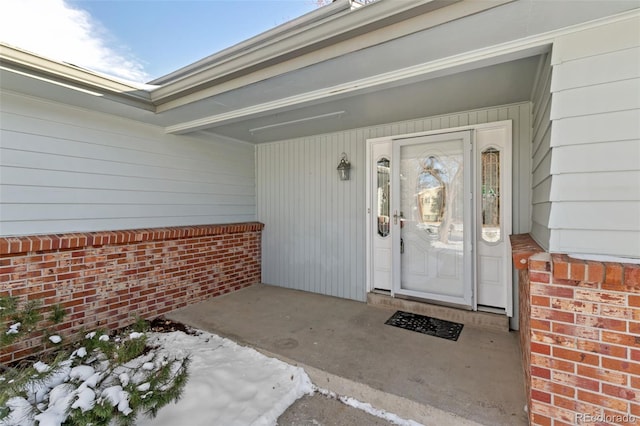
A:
522,248
24,244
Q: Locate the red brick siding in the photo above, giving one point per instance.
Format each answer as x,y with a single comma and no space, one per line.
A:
525,330
106,279
523,248
585,341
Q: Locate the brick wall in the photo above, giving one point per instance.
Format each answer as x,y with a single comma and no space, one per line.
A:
105,279
585,341
524,247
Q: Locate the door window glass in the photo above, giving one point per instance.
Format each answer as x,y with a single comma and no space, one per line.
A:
383,196
490,195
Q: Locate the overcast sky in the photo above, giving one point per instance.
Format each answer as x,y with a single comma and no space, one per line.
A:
138,40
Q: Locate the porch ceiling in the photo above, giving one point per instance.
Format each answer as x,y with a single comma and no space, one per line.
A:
499,84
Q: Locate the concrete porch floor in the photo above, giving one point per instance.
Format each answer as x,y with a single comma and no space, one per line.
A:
345,347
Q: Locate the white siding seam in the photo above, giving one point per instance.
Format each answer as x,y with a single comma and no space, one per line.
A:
595,55
594,113
602,83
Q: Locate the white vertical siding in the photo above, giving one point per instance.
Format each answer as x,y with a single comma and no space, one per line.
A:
314,235
541,154
66,169
595,191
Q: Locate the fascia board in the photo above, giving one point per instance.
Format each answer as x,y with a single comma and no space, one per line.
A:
18,60
302,40
250,44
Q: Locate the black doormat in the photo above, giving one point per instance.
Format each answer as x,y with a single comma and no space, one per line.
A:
426,325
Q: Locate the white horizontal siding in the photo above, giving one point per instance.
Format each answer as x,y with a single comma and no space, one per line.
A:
600,157
606,242
594,70
541,154
612,126
314,235
595,166
603,186
600,99
597,41
65,169
598,215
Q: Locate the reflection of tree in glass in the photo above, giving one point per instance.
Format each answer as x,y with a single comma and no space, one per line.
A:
431,191
438,193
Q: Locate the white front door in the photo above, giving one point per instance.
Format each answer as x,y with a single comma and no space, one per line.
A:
440,216
431,187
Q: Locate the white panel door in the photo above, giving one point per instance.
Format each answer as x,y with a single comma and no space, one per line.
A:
492,147
432,218
381,208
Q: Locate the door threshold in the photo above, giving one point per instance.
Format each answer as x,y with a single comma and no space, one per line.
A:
492,310
433,302
485,320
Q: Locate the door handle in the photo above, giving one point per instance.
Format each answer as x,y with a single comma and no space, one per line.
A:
396,216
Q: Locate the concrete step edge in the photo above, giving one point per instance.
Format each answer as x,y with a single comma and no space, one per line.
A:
400,406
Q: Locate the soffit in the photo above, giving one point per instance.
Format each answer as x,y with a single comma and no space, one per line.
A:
499,84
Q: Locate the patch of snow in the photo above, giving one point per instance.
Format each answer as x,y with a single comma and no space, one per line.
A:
135,335
37,390
81,352
86,399
366,407
14,328
93,380
143,387
81,372
41,367
148,366
118,397
241,386
104,338
60,399
124,379
55,339
90,335
20,413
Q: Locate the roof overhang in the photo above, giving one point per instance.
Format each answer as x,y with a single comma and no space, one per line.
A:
21,62
311,66
326,33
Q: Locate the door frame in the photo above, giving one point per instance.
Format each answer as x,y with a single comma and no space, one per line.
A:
369,206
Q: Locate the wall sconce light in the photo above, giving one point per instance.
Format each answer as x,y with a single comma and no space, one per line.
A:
344,167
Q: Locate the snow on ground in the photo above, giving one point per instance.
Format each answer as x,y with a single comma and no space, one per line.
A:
228,384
